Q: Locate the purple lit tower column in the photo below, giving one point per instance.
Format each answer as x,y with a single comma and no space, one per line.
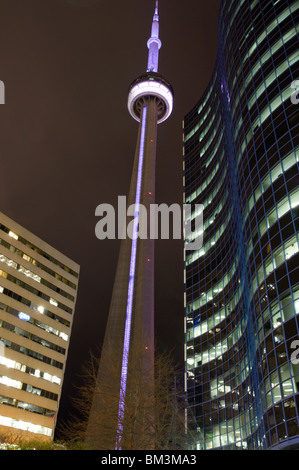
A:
131,315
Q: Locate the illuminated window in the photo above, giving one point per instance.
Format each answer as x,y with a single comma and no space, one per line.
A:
10,382
13,235
26,426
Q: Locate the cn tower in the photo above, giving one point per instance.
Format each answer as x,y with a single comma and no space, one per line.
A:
130,324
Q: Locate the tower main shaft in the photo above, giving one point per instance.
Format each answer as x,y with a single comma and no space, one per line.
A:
129,336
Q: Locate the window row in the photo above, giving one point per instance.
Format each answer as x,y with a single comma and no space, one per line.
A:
9,382
267,111
277,45
38,250
259,64
34,291
196,254
26,334
29,352
215,320
27,318
33,261
37,308
285,205
25,426
26,406
12,364
206,181
219,349
281,309
286,163
217,288
288,249
279,385
35,277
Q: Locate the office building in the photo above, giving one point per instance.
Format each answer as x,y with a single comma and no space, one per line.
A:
38,289
241,152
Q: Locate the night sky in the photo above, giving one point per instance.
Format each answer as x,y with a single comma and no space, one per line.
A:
68,141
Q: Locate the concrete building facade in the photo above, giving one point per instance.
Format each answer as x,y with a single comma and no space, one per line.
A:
38,289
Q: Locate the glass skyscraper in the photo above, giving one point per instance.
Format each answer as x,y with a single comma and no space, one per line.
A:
241,152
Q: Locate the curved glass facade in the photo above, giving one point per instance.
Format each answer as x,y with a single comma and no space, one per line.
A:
241,153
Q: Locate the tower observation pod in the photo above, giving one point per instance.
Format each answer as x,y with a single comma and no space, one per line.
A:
128,345
151,85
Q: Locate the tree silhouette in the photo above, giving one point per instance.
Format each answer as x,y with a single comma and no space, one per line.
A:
154,406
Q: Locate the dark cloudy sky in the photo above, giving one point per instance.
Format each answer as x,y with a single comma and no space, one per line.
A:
67,140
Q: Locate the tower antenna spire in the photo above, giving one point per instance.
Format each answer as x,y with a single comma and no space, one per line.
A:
154,43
